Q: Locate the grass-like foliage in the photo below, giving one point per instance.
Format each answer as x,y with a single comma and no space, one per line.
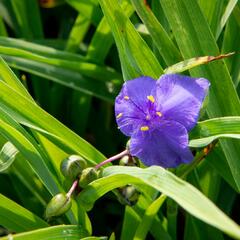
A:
62,65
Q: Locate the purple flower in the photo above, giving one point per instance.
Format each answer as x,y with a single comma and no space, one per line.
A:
158,115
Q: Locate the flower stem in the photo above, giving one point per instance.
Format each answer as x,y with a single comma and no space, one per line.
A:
115,157
72,189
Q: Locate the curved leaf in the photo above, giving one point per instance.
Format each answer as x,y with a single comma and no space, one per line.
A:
34,117
132,48
207,131
62,232
17,218
182,192
7,156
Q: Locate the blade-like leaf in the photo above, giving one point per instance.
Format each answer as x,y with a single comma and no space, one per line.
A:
106,90
10,78
161,39
194,62
103,40
182,192
48,52
17,218
226,15
88,8
7,156
79,30
132,48
26,145
88,69
209,130
63,232
36,118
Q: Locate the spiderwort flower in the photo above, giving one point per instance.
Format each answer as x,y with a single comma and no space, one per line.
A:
158,115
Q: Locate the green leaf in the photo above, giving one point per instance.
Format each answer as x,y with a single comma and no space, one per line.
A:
62,232
26,145
160,37
213,10
20,13
148,218
78,32
182,192
230,39
10,78
129,42
216,160
7,156
87,69
103,40
106,90
94,238
193,62
207,131
36,118
88,8
39,49
3,31
34,18
230,6
17,218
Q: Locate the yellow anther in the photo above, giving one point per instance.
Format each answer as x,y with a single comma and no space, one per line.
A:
126,97
159,114
144,128
119,115
151,98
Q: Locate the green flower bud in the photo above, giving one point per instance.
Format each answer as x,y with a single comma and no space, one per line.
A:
128,195
129,161
72,166
58,205
88,175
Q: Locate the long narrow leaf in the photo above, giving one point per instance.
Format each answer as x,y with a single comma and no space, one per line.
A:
17,218
106,90
160,37
182,192
63,232
36,118
132,48
7,155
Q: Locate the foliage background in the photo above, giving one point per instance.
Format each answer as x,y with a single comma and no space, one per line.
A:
72,57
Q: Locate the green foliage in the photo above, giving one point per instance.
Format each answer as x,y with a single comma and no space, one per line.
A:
68,62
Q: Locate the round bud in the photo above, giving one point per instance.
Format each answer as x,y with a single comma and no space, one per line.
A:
128,195
72,166
58,205
88,175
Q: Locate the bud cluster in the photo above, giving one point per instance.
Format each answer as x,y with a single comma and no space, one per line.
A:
75,169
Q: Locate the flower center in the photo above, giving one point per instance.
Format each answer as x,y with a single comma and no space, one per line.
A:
152,115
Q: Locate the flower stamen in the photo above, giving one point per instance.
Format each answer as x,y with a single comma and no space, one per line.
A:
126,97
151,98
119,115
159,114
148,117
144,128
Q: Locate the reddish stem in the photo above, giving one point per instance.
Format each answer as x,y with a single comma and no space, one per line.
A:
115,157
72,189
